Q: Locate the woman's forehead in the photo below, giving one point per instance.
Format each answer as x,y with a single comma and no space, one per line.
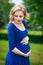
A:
18,13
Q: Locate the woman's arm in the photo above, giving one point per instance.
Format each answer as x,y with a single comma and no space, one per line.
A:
11,39
16,51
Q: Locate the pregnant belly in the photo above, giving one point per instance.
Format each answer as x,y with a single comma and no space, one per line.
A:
22,47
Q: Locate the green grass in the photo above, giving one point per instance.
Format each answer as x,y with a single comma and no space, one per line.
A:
3,51
36,56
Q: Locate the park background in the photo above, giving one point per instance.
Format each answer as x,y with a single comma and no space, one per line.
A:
34,27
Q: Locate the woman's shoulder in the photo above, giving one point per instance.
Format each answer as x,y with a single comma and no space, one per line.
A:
11,28
10,25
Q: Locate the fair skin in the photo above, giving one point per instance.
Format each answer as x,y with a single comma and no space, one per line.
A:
18,17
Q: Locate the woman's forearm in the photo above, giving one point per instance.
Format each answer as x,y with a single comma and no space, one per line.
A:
17,51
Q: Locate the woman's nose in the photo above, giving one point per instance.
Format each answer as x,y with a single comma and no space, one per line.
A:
18,18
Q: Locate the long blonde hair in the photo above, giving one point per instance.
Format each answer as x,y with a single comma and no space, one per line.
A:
18,8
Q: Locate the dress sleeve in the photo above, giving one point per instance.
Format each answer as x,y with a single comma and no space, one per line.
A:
11,37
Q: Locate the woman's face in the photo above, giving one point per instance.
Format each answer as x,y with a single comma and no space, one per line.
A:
18,16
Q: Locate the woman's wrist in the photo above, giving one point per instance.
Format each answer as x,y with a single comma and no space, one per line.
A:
27,54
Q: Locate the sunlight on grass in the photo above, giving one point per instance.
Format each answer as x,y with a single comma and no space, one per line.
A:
5,31
39,33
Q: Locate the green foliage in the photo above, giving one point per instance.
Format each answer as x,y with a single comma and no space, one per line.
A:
35,8
5,7
1,14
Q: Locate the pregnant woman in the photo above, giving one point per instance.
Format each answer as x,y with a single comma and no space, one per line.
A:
19,48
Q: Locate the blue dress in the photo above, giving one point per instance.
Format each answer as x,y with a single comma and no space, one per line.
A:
14,37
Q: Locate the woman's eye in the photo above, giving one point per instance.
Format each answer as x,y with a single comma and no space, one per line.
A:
20,16
16,16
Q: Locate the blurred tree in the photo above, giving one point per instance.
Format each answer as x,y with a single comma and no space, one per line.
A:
1,14
35,8
5,7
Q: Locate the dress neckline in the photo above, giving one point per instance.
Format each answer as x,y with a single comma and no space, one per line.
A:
17,27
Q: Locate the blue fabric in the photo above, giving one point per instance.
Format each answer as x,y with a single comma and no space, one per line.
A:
15,35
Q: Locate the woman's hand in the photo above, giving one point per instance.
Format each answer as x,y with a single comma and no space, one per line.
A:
25,40
27,54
